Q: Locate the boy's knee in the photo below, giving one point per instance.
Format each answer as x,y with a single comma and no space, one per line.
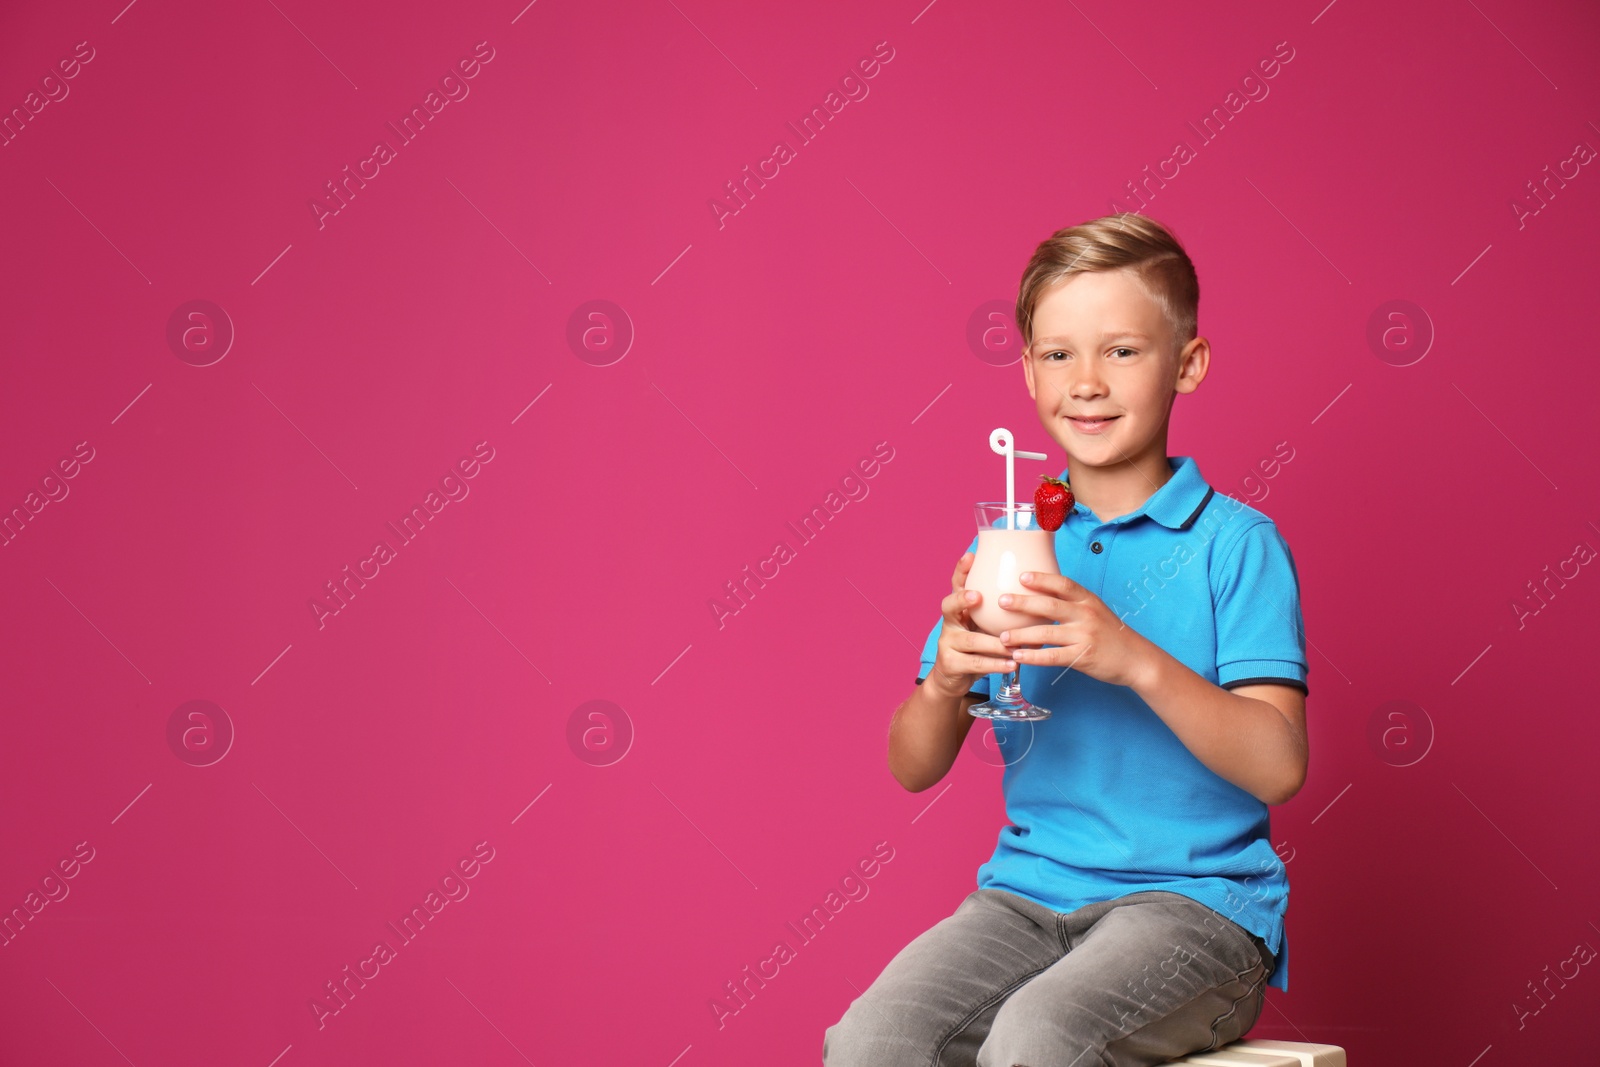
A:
1040,1047
837,1040
1025,1035
869,1037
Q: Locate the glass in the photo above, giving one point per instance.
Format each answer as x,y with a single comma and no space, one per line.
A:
1010,541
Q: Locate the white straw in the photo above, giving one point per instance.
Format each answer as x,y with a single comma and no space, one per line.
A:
1000,441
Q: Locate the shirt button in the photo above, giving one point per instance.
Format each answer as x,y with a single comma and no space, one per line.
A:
1096,548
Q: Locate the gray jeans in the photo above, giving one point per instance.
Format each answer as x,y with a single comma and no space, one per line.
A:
1005,982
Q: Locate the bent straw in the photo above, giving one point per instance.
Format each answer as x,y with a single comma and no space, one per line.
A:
1001,442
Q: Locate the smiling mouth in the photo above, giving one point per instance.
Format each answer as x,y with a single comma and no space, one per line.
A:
1094,421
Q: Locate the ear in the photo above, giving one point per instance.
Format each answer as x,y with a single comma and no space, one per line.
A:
1193,363
1027,373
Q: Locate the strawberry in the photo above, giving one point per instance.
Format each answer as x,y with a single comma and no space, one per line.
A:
1051,502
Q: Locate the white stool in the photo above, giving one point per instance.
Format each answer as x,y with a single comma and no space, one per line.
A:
1251,1053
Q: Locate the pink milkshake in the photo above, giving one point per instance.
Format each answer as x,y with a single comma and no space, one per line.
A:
1011,540
1002,556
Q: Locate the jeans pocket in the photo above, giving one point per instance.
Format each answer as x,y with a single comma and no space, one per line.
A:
1258,997
1245,1010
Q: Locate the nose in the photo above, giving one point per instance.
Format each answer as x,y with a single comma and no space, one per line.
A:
1086,383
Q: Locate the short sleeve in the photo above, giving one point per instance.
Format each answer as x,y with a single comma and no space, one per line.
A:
930,648
1256,595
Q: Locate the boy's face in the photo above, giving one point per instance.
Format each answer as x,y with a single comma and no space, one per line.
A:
1103,348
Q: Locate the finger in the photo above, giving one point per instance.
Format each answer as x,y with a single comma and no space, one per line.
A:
1031,635
978,643
1043,607
958,578
1058,585
1048,657
968,664
954,608
958,606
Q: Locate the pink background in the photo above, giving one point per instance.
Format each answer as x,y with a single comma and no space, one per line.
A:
436,709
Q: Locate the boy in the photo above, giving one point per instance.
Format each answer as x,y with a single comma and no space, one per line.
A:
1133,909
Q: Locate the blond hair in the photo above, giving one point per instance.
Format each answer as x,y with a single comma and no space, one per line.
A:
1135,243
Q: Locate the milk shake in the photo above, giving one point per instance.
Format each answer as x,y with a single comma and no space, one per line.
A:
1002,556
1013,538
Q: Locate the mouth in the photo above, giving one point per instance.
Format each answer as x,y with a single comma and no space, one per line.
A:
1092,425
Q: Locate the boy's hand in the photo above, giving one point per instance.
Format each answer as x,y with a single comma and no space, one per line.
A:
1089,636
965,652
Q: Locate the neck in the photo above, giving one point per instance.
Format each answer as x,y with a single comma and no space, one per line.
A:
1113,490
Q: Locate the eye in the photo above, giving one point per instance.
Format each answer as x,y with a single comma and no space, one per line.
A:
1053,353
1130,351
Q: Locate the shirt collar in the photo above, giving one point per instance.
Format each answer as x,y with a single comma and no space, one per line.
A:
1176,504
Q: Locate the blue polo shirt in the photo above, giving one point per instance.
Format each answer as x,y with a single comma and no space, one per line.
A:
1102,798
